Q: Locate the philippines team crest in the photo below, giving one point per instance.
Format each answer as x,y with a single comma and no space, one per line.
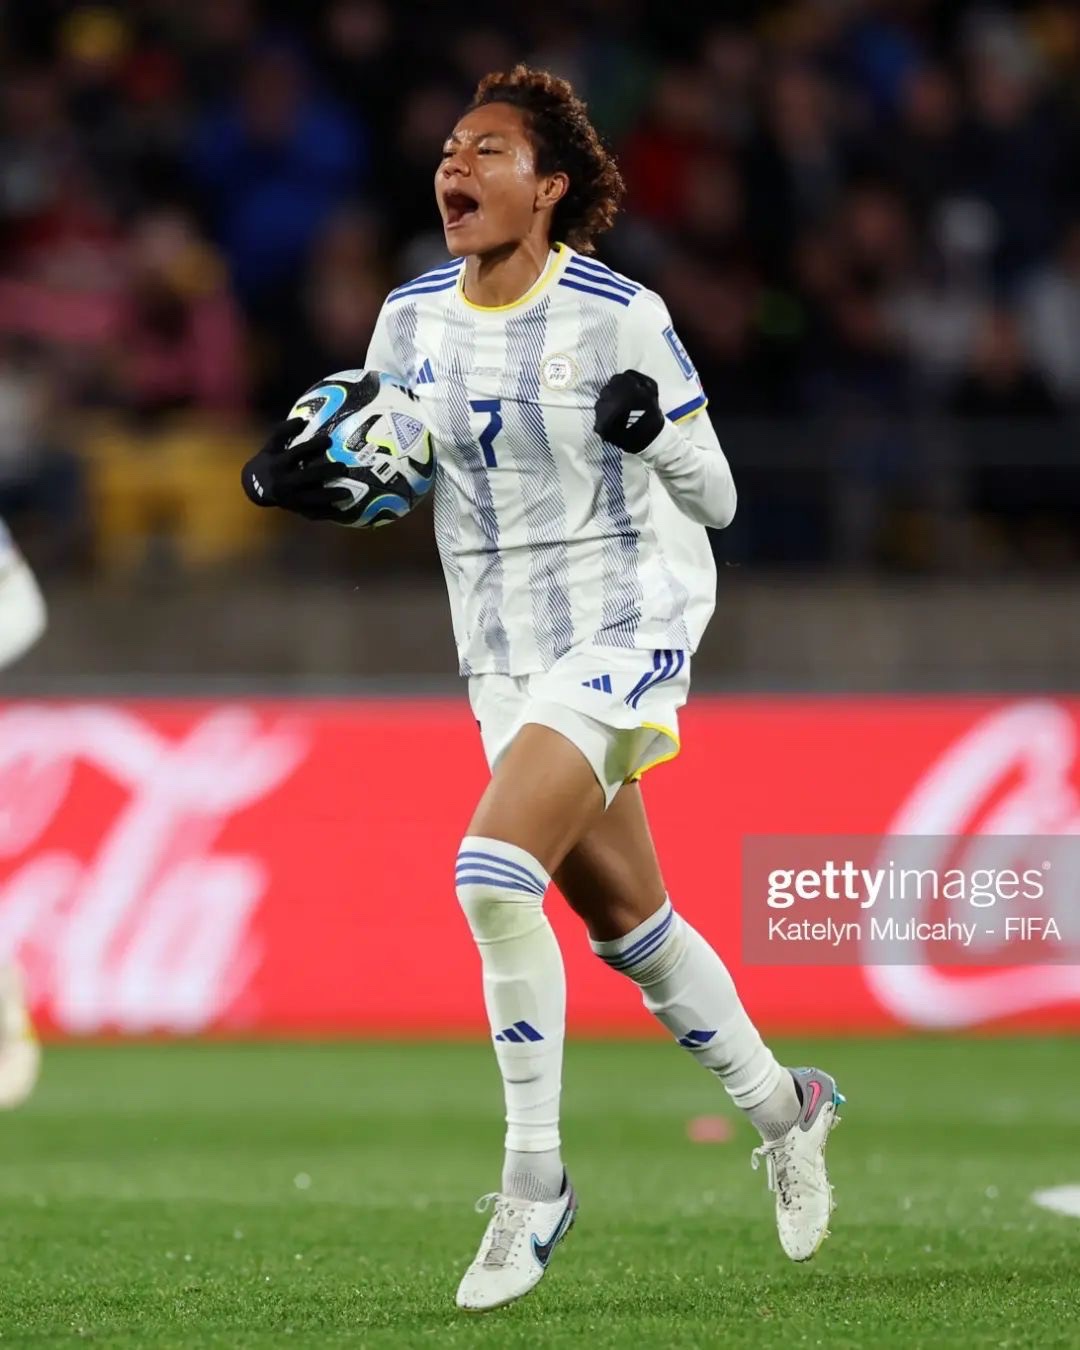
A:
559,372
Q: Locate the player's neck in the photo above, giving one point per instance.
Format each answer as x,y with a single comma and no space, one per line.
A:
504,275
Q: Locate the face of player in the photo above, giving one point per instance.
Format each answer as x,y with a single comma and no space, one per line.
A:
489,193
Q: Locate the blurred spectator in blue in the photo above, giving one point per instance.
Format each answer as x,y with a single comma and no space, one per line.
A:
880,52
273,163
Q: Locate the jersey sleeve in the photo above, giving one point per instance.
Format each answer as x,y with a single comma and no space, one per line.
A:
390,349
686,455
651,345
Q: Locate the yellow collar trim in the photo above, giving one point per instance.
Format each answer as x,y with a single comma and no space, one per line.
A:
561,253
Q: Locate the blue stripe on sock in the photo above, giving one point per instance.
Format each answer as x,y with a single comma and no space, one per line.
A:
510,865
509,1034
529,1032
496,870
500,883
643,947
503,862
498,875
472,871
661,927
627,962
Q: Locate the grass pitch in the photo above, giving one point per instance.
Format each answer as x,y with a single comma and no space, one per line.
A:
313,1195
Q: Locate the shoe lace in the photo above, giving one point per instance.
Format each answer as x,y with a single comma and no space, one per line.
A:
507,1222
778,1168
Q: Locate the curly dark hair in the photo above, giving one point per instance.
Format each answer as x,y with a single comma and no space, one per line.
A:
565,141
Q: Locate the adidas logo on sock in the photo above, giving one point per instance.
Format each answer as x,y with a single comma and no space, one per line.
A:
601,682
520,1031
427,375
694,1040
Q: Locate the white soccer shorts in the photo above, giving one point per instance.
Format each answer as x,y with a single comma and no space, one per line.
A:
618,706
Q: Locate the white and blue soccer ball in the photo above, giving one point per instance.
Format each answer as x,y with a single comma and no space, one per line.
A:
378,437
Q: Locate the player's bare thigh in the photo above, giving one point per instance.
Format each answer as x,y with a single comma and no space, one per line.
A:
543,796
611,877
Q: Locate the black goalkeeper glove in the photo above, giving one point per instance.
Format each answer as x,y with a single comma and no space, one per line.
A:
295,477
628,411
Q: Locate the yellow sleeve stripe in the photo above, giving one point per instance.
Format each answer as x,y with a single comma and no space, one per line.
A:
685,410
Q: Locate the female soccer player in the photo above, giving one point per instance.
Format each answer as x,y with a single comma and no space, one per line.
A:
577,469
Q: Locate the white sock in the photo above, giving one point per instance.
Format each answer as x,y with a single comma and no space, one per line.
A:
501,889
688,988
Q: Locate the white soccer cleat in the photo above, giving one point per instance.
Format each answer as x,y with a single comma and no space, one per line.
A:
20,1054
796,1167
516,1248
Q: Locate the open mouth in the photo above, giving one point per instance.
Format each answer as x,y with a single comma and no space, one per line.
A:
460,207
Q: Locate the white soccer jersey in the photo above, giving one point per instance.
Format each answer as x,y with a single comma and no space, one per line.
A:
549,537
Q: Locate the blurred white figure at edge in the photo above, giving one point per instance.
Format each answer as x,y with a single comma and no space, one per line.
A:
22,622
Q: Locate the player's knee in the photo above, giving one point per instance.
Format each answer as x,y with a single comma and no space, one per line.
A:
500,887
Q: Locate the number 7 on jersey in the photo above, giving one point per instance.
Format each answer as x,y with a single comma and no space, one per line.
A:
492,407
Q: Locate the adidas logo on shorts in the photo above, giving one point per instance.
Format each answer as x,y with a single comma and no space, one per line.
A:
601,682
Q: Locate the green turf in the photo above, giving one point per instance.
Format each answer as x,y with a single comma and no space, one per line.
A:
155,1196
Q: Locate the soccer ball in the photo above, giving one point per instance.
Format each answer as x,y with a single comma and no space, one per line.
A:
377,437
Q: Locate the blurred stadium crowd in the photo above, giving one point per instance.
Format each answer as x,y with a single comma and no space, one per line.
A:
865,218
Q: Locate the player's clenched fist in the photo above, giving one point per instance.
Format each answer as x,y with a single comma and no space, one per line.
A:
628,411
294,478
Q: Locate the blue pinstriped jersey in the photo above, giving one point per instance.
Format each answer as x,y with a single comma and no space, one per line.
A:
549,537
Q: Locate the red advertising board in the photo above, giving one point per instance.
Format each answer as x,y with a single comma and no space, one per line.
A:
256,867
